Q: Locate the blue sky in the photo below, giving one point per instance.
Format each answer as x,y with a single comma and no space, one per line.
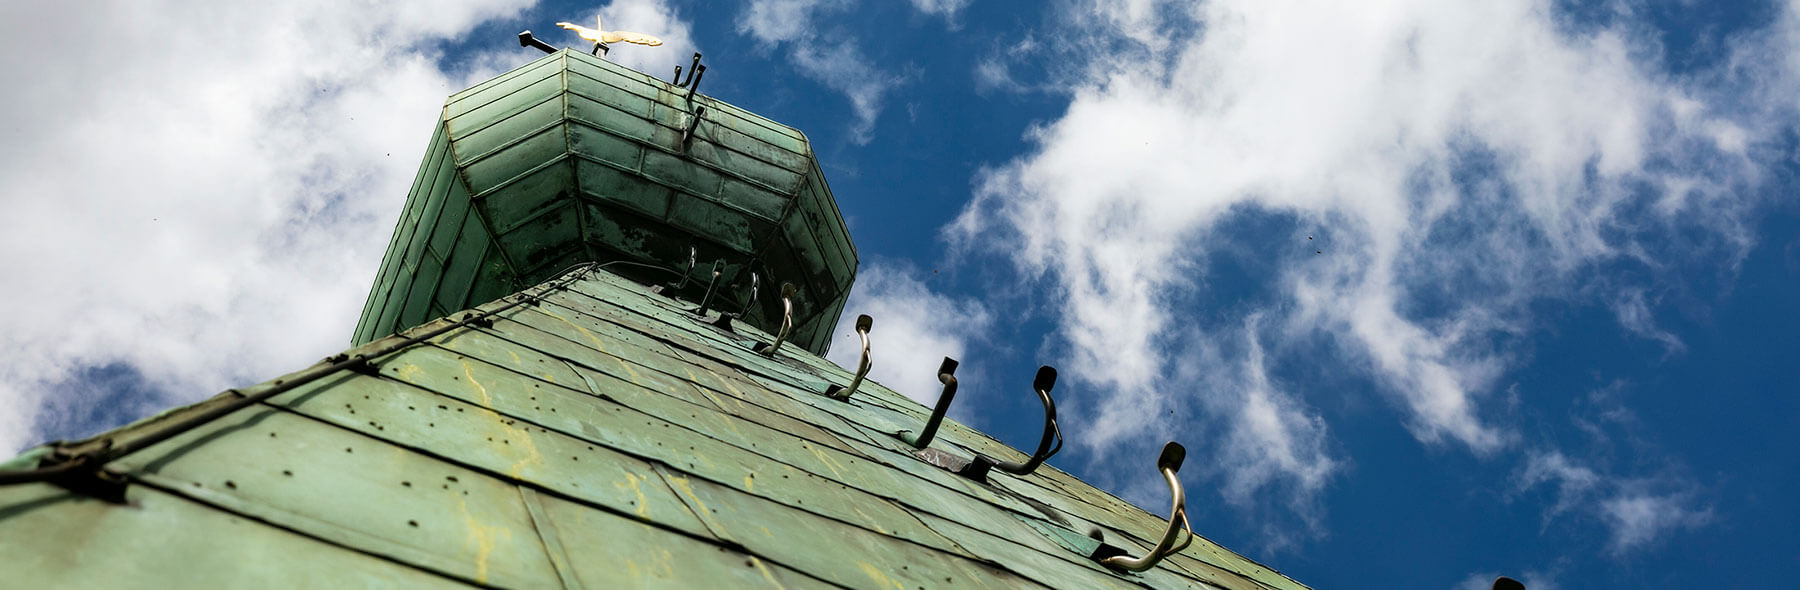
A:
1432,291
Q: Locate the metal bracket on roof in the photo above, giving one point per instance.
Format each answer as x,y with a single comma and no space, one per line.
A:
723,322
693,68
717,269
1113,557
978,466
526,39
947,376
693,256
687,133
840,393
787,322
1045,380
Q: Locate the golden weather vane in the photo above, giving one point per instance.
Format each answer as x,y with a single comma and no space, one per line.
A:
601,37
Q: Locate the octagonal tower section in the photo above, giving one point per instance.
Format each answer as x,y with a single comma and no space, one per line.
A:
573,159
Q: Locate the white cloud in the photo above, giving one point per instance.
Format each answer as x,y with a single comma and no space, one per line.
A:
780,21
1273,446
1638,519
830,59
202,193
1637,512
652,17
1574,482
914,328
841,66
1635,315
944,8
1453,163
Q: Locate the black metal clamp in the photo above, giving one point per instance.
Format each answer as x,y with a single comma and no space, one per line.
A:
526,39
841,393
1113,557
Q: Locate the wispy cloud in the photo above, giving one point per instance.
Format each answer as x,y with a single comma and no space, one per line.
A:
945,8
1638,519
1637,511
200,194
915,327
1636,316
833,60
1432,169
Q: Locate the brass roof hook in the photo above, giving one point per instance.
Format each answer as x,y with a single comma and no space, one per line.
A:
787,321
863,323
693,255
717,269
1169,462
1045,380
947,376
755,289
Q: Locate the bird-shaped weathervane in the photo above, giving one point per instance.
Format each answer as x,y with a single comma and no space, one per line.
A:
601,37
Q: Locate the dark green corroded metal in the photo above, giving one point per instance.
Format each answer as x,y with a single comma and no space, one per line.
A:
573,159
596,436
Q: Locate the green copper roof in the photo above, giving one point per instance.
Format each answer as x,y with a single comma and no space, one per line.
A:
573,159
602,437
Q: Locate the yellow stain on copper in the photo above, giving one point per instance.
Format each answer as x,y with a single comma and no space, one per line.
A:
523,435
880,578
643,503
700,509
727,383
484,537
469,370
408,372
731,424
584,332
829,462
766,574
635,377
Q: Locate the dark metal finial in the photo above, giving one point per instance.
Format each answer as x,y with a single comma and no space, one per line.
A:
526,39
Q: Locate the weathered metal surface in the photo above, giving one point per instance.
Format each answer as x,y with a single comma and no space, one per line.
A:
52,538
611,407
365,494
493,443
607,551
841,555
571,158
